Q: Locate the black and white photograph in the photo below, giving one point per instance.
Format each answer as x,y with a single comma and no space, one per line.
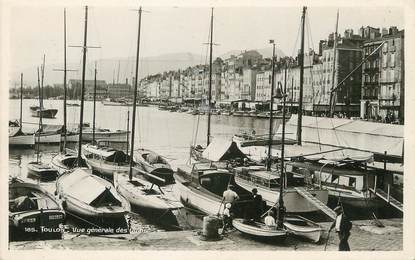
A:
184,126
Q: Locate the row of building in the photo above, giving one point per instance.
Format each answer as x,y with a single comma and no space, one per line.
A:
368,77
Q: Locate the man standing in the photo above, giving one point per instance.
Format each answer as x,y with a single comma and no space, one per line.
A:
342,226
256,205
229,196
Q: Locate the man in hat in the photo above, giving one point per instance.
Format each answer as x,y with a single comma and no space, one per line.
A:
342,226
256,205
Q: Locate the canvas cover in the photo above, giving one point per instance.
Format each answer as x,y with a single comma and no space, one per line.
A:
220,150
351,134
52,129
82,185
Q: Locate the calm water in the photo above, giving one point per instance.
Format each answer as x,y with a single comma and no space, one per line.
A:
168,133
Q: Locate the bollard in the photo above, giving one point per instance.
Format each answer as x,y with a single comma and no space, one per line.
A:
211,224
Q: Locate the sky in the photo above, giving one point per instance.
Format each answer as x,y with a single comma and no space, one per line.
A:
38,30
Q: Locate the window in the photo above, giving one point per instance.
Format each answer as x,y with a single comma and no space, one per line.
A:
392,60
352,182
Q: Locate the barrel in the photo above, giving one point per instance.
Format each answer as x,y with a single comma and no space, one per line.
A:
211,225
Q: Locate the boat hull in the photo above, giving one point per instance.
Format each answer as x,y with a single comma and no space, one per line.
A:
41,171
293,201
115,136
46,113
64,162
210,205
305,229
141,198
22,140
48,138
259,230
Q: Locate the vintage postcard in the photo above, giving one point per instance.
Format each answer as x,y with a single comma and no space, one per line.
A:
226,127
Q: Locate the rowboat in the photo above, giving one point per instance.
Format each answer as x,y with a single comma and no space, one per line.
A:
64,162
45,113
145,195
88,195
154,164
41,171
248,139
303,227
106,160
258,229
32,210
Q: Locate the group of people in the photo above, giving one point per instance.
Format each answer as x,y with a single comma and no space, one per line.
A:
255,209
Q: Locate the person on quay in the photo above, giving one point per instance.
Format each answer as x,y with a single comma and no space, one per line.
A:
230,196
342,225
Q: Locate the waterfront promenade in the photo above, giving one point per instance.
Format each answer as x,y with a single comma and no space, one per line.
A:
365,236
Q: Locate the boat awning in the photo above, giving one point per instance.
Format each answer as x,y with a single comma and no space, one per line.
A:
350,134
331,168
316,152
221,149
109,154
82,186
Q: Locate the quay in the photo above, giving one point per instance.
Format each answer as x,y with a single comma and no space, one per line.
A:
365,236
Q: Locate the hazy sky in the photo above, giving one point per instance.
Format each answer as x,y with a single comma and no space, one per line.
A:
38,30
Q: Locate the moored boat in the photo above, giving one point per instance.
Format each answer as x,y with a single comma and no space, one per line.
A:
18,139
258,229
64,162
32,210
105,160
49,134
302,227
107,134
43,112
145,195
41,171
87,195
154,164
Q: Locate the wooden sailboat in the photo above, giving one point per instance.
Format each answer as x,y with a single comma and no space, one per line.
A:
33,208
141,193
17,137
154,164
302,227
258,229
82,193
37,169
65,160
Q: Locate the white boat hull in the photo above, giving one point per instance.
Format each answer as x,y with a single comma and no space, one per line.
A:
57,162
22,140
262,231
115,136
48,138
293,201
207,204
140,198
72,138
310,231
107,169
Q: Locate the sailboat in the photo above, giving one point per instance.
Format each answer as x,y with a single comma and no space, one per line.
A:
65,159
17,137
269,181
37,169
82,193
201,184
141,193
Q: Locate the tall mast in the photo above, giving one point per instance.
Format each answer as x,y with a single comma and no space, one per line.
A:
301,61
41,81
332,103
81,118
210,76
95,94
21,101
135,94
271,107
40,117
64,80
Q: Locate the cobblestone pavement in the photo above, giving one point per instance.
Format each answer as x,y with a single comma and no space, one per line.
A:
364,236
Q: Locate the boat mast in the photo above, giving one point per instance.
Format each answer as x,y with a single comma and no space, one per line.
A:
271,107
128,128
210,76
135,94
64,80
81,118
301,62
95,94
40,117
21,101
281,208
332,103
